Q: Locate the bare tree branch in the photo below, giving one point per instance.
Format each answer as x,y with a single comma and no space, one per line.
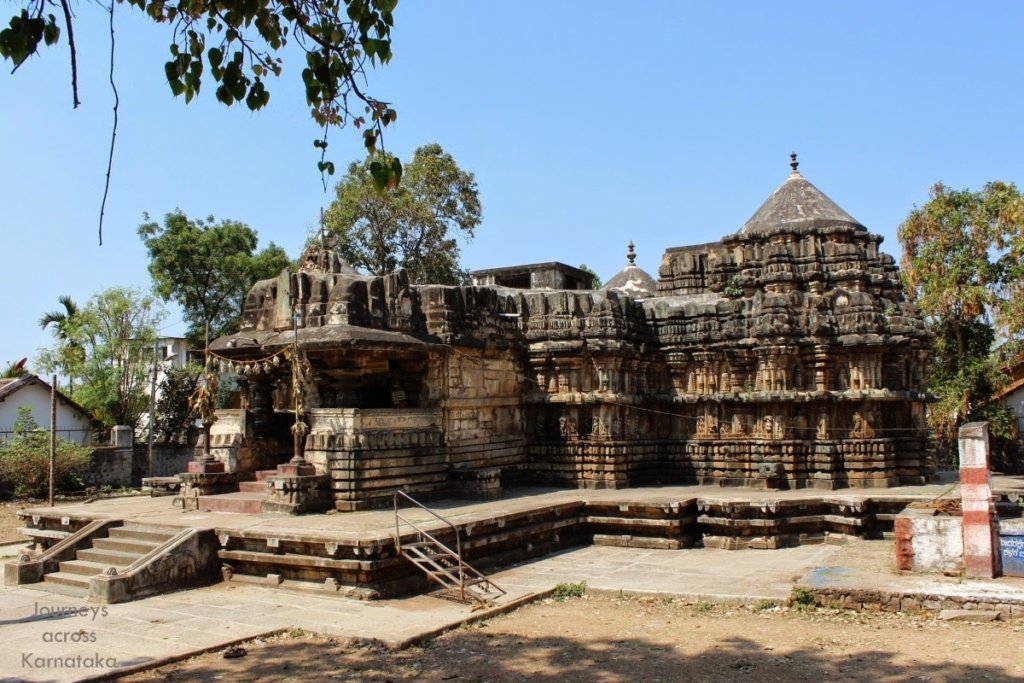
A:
74,55
113,132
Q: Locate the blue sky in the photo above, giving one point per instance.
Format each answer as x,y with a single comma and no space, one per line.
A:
588,124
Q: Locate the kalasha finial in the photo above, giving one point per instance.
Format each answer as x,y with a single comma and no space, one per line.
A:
793,163
631,255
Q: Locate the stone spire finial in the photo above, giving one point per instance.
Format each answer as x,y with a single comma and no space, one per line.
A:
631,254
793,163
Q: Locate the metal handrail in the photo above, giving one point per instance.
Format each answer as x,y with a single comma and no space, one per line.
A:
458,538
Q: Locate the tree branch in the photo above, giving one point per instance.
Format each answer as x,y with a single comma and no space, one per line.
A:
113,132
74,55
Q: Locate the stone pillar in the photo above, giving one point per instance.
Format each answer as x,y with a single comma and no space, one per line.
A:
904,543
976,492
122,436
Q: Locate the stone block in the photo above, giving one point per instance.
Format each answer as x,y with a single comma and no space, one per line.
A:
976,615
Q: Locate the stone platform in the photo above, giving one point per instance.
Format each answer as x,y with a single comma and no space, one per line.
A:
354,552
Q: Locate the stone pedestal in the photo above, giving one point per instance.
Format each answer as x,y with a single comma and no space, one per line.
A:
293,469
482,483
205,483
929,542
297,494
202,467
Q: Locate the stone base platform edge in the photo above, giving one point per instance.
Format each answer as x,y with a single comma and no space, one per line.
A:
859,599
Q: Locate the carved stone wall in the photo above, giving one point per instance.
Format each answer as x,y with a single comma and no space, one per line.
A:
786,351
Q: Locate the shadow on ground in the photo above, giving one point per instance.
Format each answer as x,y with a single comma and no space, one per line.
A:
469,656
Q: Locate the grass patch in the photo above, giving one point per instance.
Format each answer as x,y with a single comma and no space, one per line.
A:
803,599
566,590
704,607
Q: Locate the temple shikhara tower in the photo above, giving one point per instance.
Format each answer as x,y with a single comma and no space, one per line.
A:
785,354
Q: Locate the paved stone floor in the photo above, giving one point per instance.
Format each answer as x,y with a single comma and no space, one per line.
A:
54,637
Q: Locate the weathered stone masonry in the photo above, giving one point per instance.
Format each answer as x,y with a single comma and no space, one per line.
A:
784,354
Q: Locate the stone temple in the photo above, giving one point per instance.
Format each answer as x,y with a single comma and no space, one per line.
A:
784,355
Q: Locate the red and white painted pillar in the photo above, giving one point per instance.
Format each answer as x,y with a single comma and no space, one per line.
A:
976,501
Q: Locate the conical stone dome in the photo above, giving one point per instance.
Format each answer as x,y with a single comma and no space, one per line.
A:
633,280
797,206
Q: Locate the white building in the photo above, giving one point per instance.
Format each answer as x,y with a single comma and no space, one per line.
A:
172,353
73,421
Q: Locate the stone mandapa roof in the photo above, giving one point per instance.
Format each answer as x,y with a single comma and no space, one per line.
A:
326,336
796,206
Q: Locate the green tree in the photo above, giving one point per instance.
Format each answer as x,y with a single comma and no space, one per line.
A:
596,281
25,460
69,353
117,330
174,415
207,267
414,226
238,43
961,254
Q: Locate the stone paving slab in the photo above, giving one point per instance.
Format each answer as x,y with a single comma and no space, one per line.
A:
96,639
871,565
705,574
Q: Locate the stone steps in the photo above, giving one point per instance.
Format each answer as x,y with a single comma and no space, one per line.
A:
134,532
116,558
125,545
258,486
246,503
83,567
70,590
122,547
69,579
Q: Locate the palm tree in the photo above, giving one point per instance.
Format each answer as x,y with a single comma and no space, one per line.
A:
64,323
14,370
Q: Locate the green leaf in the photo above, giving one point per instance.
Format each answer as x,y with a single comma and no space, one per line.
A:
215,56
396,170
52,32
224,95
370,140
380,175
238,89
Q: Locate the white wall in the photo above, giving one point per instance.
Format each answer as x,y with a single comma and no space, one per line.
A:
37,397
1015,401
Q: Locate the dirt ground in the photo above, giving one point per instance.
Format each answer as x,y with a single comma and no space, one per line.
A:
611,639
9,522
